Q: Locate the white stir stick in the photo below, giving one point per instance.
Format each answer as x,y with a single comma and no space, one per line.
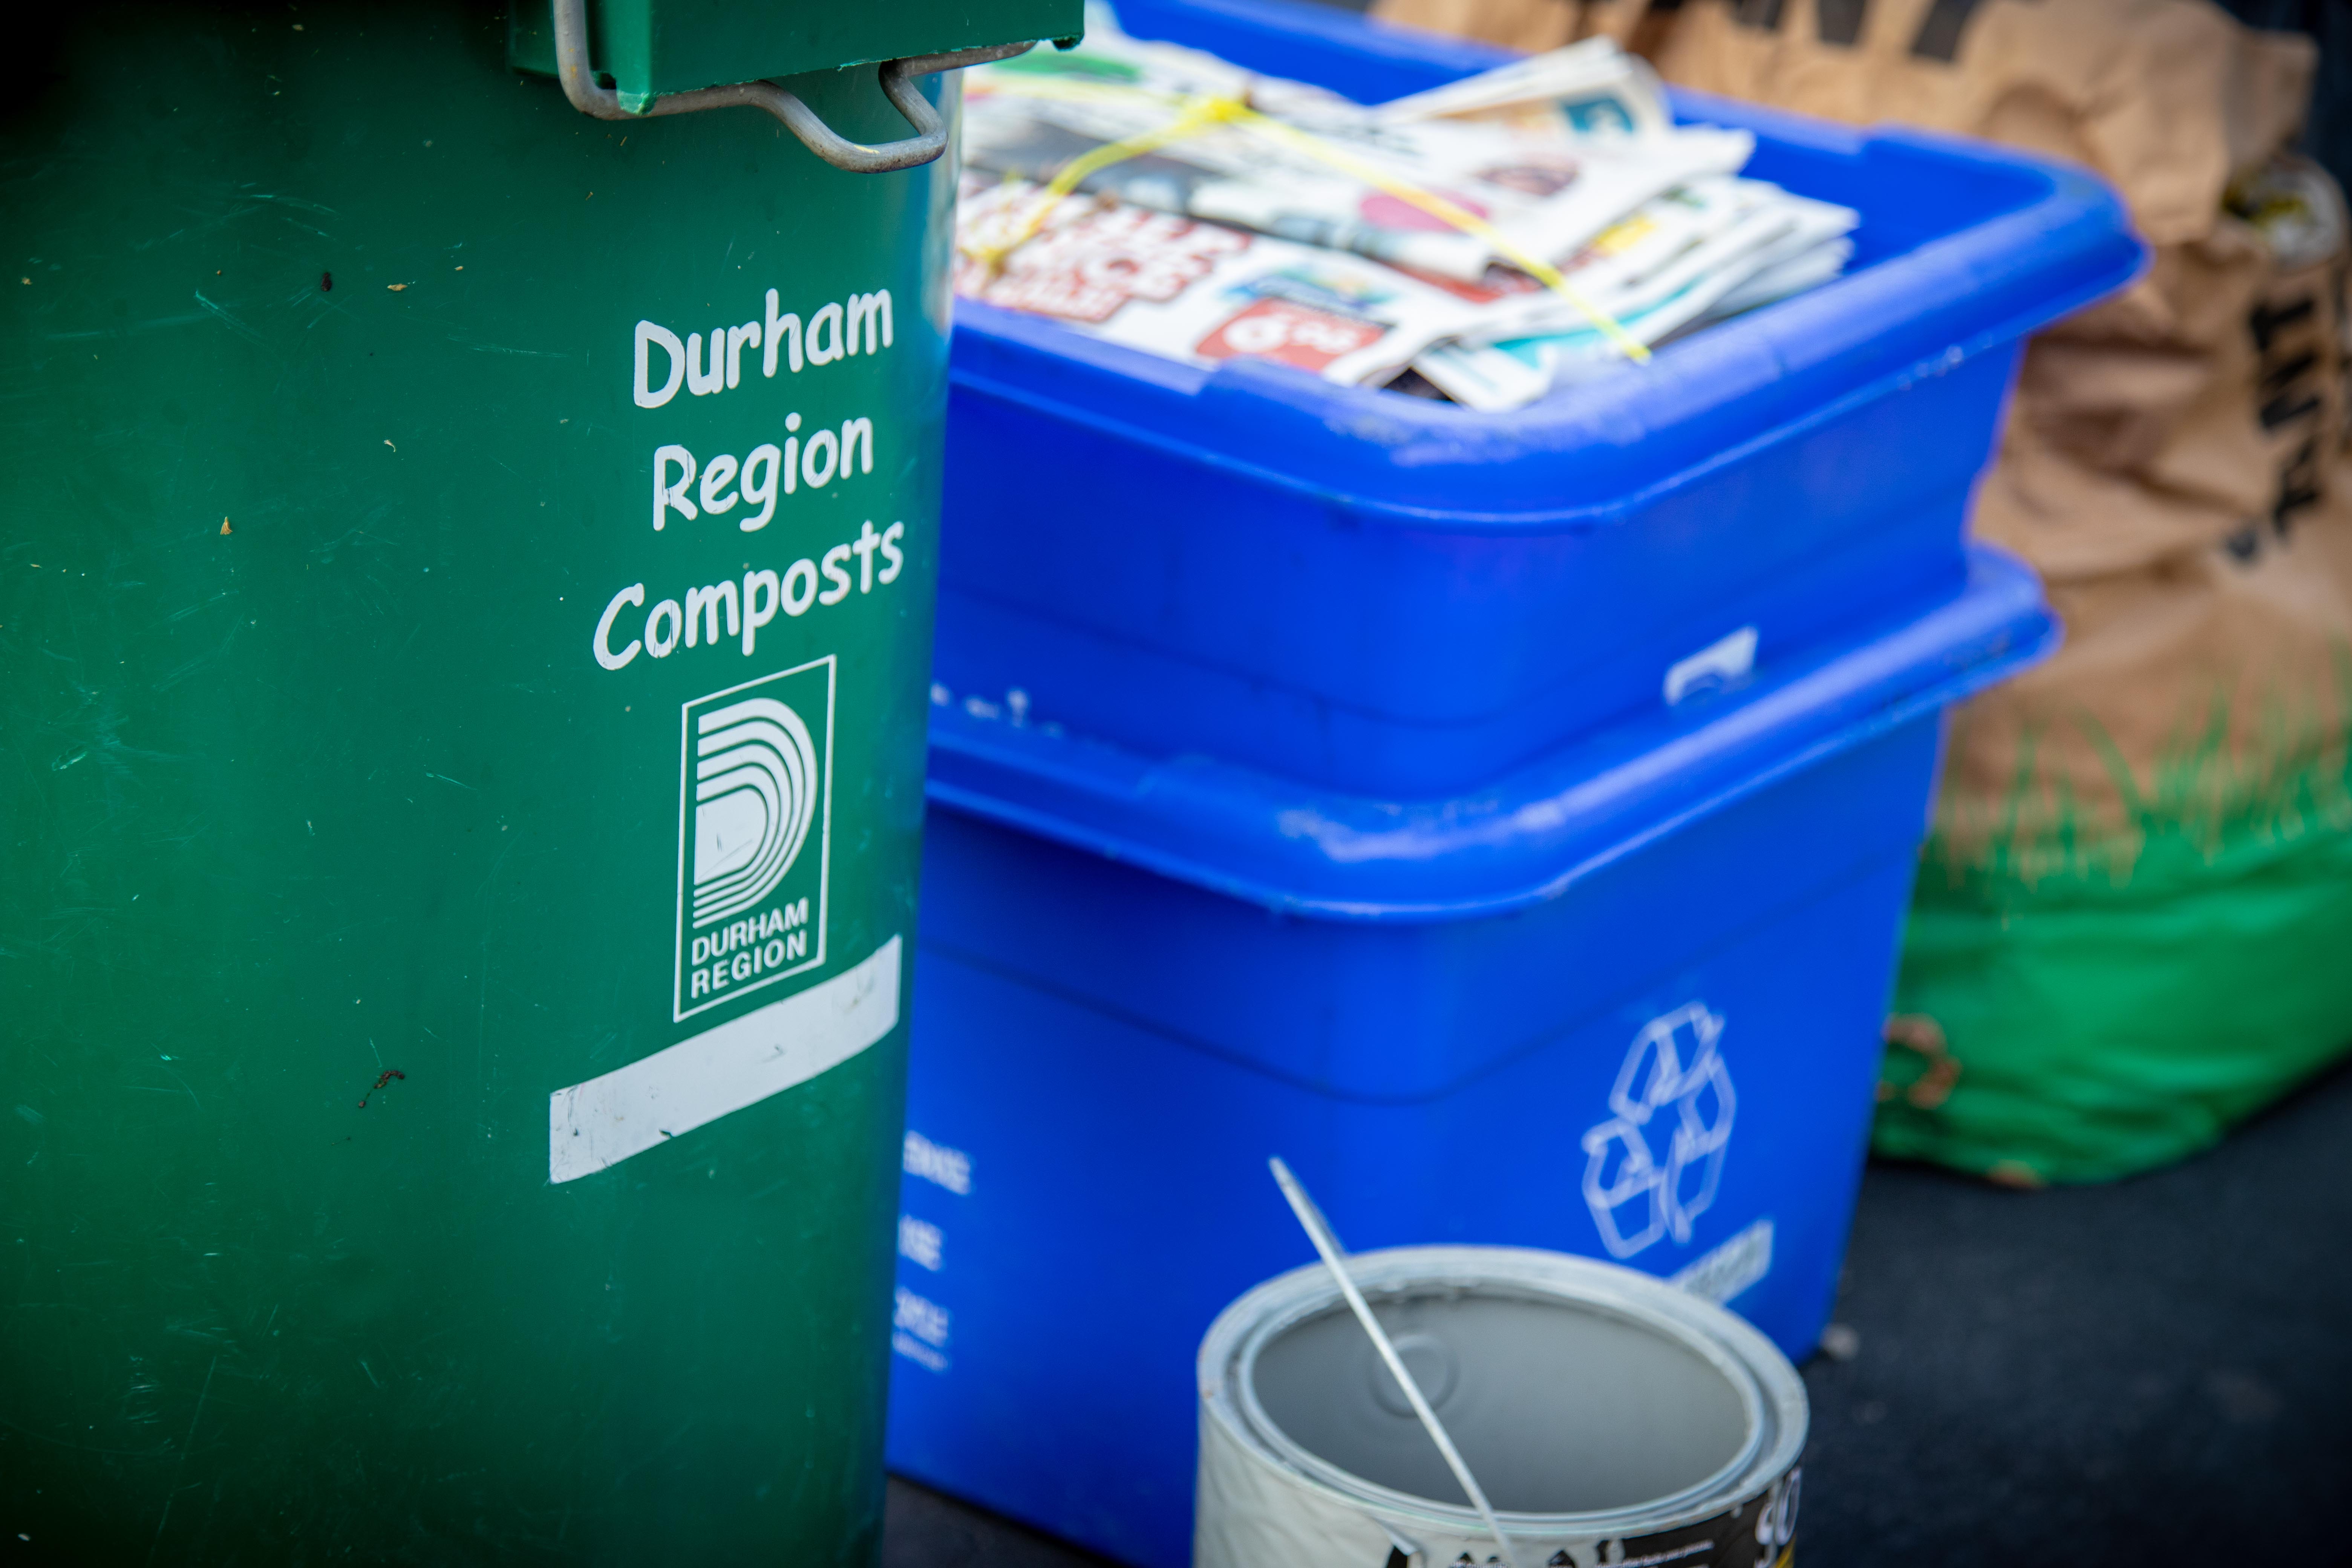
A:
1318,1230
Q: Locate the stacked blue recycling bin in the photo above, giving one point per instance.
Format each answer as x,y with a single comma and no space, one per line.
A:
1509,820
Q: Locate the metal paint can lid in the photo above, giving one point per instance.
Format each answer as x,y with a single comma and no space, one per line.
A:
1611,1417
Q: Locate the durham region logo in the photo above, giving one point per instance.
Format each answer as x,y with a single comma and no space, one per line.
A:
755,796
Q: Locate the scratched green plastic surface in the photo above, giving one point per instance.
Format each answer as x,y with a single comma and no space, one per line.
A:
651,47
344,790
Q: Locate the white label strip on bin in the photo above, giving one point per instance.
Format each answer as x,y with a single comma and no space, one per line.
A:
604,1120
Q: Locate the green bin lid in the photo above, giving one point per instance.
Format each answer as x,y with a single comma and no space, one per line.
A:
651,48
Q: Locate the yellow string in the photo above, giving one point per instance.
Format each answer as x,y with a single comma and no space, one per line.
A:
1195,118
1201,114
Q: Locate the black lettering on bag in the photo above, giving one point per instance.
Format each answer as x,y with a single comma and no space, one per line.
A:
2286,409
2298,487
2290,503
1940,30
2279,378
2288,394
2267,322
1839,21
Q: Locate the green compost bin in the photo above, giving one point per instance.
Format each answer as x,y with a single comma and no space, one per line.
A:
466,586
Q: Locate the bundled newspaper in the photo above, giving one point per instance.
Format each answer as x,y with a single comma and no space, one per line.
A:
1482,242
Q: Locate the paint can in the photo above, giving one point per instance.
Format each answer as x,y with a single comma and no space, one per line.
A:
1611,1417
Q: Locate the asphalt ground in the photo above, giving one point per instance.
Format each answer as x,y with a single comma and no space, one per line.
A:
2155,1372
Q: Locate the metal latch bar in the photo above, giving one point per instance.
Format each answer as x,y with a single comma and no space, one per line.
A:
898,78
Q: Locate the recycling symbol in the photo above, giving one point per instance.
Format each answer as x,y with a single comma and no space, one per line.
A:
1652,1167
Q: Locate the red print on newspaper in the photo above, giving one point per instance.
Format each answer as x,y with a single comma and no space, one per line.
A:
1293,334
1086,270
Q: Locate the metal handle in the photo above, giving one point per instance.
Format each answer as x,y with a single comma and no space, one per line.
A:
929,141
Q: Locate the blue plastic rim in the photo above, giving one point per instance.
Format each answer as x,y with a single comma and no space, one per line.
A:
1368,590
1623,1002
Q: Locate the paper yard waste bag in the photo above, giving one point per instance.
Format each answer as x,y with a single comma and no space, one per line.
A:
2128,928
2128,925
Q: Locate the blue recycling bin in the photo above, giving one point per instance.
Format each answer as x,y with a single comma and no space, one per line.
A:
1625,1002
1402,597
1508,819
